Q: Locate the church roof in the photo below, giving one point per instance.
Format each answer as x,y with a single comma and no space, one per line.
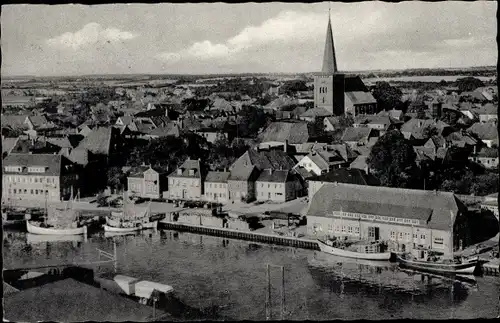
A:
329,59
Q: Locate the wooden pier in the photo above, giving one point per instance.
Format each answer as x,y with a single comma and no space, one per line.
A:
242,235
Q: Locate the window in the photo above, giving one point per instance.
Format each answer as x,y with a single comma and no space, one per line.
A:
422,237
25,191
268,185
36,169
356,230
349,229
36,179
400,235
330,227
16,169
343,228
15,191
220,185
210,185
407,236
393,235
438,240
31,191
337,228
261,184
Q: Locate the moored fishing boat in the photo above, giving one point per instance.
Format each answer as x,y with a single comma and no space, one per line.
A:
57,216
38,229
369,250
446,266
138,226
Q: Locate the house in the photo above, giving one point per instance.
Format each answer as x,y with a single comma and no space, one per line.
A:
185,183
340,175
212,135
491,203
487,132
406,218
147,182
488,157
329,157
381,124
332,123
85,129
417,128
124,121
277,186
280,103
395,114
488,112
216,187
360,103
170,130
315,113
246,169
285,132
38,177
102,141
360,163
357,136
461,139
221,104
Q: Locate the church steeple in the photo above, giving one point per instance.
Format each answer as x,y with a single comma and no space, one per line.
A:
329,59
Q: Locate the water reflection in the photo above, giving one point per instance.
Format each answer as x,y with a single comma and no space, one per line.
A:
386,282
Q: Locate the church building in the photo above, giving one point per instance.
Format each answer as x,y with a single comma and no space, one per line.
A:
339,94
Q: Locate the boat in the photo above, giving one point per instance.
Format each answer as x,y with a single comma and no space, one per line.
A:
138,227
45,229
456,266
369,250
431,261
38,229
330,260
129,220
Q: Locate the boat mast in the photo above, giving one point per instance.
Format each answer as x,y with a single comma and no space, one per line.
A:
452,234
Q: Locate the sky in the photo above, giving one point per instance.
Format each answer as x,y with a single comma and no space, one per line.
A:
213,38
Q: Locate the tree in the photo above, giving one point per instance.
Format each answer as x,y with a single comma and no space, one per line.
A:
253,119
485,184
392,160
468,84
116,178
387,96
430,131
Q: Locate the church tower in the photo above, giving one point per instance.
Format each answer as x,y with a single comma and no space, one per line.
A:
329,84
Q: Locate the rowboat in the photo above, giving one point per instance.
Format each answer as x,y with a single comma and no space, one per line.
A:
36,229
368,251
465,267
138,227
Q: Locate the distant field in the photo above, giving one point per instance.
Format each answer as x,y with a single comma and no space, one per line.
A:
430,78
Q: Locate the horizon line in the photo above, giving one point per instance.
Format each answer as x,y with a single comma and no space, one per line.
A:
244,73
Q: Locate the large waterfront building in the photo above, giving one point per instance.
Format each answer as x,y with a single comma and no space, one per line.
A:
404,218
337,93
216,187
38,177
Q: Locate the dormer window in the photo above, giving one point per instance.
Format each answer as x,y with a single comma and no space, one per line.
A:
179,171
16,169
191,172
36,169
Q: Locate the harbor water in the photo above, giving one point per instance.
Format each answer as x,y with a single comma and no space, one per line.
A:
231,275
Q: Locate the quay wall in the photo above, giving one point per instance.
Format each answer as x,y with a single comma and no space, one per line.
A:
242,235
491,269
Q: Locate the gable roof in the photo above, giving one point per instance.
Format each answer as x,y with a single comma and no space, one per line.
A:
488,108
62,142
360,162
188,165
359,97
485,131
51,162
217,177
79,156
386,121
356,134
487,152
316,112
294,132
171,129
14,121
273,176
431,207
98,141
8,143
346,175
280,102
38,121
396,114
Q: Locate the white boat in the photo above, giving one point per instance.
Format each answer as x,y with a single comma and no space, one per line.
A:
139,227
330,260
40,238
367,254
36,229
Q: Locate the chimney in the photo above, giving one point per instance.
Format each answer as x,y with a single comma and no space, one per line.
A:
285,147
270,171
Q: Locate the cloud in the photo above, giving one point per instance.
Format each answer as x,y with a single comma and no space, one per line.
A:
90,34
288,26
